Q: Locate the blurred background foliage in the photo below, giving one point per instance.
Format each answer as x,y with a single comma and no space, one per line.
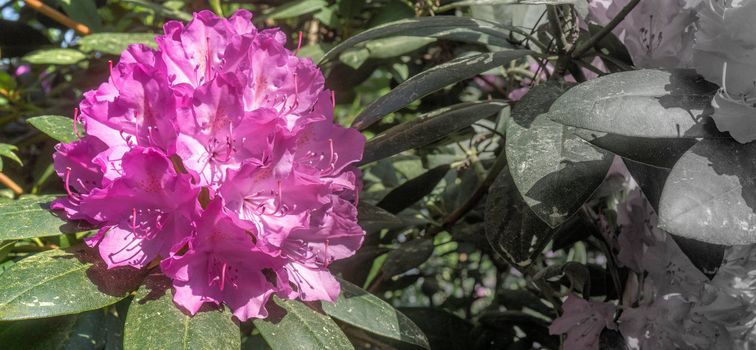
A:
426,250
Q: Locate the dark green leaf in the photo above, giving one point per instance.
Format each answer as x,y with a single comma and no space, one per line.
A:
710,195
706,257
382,49
58,282
296,8
514,231
413,190
55,56
554,170
431,80
58,127
428,128
83,11
115,43
443,329
644,103
9,151
30,217
155,322
82,331
373,218
650,179
407,256
361,309
162,10
300,328
440,27
661,152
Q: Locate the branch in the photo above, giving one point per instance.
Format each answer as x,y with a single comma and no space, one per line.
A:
57,16
592,41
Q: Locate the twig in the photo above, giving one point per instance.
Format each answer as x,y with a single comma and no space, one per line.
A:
499,164
57,16
592,41
5,180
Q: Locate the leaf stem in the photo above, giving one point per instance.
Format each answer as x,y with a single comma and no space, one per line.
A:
592,41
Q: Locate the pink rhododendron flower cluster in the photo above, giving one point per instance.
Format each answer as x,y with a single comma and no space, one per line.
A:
217,155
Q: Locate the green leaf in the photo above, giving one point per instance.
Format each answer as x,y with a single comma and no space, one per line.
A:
296,8
431,80
428,128
162,10
643,103
444,329
83,11
115,43
710,195
514,231
58,282
361,309
300,328
580,6
30,216
373,218
554,170
155,322
660,152
9,151
440,27
383,48
407,256
58,127
413,190
82,331
55,56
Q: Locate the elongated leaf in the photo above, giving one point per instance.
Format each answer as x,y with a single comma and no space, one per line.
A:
55,56
115,43
580,6
644,103
301,328
514,231
155,322
296,8
30,216
162,10
439,27
361,309
554,170
84,11
428,128
431,80
58,282
413,190
444,329
383,48
710,195
660,152
9,151
58,127
407,256
373,218
82,331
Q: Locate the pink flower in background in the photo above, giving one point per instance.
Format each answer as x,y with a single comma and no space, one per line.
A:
583,321
217,155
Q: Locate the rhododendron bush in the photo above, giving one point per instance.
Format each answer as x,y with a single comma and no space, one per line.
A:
377,174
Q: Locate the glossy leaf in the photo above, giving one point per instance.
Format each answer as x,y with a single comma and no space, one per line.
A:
58,127
643,103
431,80
361,309
161,10
55,56
30,216
413,190
155,322
710,195
296,8
554,170
428,128
514,231
82,331
115,43
440,27
373,218
9,151
407,256
58,282
660,152
295,326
